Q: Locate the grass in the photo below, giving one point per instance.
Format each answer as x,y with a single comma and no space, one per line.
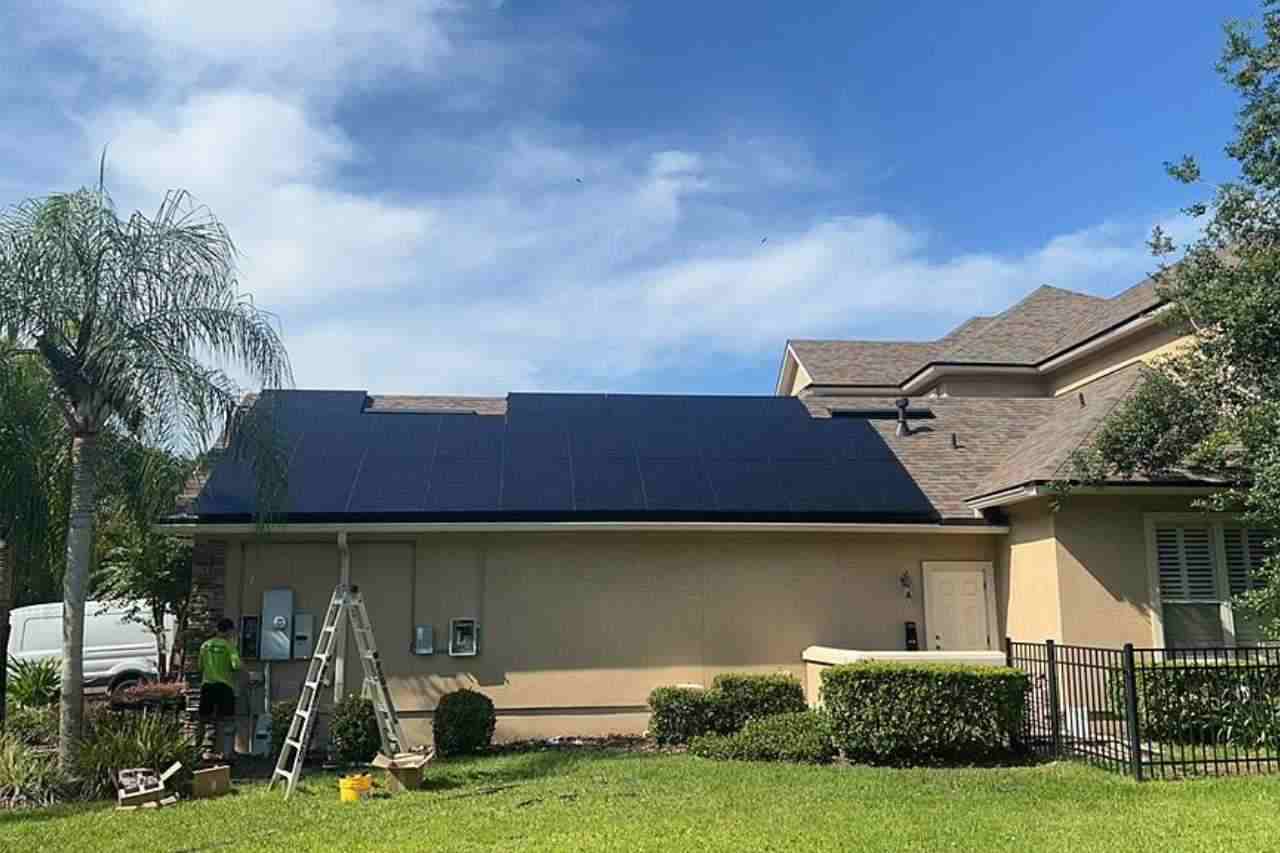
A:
577,800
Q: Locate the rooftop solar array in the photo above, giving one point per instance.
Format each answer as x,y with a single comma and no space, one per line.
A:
574,456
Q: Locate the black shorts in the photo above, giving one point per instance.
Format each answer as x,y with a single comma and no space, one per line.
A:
217,700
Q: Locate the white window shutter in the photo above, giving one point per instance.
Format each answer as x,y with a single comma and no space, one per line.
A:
1238,563
1197,554
1169,560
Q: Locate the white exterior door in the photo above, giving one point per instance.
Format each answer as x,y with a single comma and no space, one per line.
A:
959,606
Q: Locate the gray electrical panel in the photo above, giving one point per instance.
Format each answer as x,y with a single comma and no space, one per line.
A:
304,635
423,640
276,628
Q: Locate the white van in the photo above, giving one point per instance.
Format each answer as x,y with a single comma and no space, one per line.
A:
117,653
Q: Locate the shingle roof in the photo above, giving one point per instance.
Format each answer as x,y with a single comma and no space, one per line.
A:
863,362
428,403
984,428
1048,321
1043,453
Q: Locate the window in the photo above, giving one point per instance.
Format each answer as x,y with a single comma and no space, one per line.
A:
1245,550
1199,568
42,634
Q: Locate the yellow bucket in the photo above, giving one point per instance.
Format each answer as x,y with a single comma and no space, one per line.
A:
352,788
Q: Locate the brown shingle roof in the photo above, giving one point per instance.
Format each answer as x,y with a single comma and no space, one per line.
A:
1027,332
1043,454
1048,321
984,427
863,362
429,403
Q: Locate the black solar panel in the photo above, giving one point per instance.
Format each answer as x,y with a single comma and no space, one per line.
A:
591,456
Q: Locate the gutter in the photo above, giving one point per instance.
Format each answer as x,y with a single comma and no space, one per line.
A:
1039,489
191,527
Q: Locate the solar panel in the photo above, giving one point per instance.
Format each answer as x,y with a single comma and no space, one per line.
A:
563,455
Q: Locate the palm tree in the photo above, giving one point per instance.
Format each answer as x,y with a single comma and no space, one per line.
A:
137,320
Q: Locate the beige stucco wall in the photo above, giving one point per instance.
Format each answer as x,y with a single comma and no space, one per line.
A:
992,385
1080,575
1155,341
1027,584
576,629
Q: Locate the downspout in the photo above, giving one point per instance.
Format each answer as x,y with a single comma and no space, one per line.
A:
340,635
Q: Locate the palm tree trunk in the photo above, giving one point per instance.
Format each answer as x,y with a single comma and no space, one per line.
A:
74,582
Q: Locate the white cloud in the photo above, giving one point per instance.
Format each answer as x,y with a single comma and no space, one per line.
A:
277,40
553,260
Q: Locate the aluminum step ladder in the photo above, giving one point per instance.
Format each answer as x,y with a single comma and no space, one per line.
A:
346,605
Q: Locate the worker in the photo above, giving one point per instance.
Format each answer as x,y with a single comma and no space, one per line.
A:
219,670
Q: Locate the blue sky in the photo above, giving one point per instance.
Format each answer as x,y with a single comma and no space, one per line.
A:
445,196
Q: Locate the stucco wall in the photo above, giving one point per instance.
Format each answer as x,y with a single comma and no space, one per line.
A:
1150,344
576,629
993,385
1079,575
1027,584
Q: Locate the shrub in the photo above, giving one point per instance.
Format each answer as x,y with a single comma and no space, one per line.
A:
463,722
1204,702
281,717
796,736
740,697
34,683
32,725
904,713
681,713
29,776
114,740
354,731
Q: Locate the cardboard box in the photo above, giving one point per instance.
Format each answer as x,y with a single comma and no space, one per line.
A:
211,782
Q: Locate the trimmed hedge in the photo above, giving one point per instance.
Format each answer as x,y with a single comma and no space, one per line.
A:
742,697
1223,702
802,737
463,722
680,714
913,714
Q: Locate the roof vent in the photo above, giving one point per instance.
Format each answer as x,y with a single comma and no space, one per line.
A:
904,428
955,440
1082,402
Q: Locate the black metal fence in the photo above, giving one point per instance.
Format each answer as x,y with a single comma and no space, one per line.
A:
1153,713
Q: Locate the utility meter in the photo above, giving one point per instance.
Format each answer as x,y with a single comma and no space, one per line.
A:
276,642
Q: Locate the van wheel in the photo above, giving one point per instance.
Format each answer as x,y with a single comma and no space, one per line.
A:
124,682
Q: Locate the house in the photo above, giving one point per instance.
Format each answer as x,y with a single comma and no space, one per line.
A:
567,553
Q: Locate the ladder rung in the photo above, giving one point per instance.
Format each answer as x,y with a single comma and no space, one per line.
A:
296,744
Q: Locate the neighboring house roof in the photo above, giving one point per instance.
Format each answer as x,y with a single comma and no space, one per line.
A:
571,457
1047,322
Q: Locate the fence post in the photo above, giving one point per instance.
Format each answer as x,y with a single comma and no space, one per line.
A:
1131,711
1008,652
1055,702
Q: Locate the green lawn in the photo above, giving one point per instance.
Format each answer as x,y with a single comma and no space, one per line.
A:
560,800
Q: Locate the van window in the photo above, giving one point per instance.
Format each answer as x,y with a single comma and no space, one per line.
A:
111,629
42,633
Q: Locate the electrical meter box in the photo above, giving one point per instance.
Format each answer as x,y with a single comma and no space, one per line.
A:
464,637
423,640
249,637
276,642
304,636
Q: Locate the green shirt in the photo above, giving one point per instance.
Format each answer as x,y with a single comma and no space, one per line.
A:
218,661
